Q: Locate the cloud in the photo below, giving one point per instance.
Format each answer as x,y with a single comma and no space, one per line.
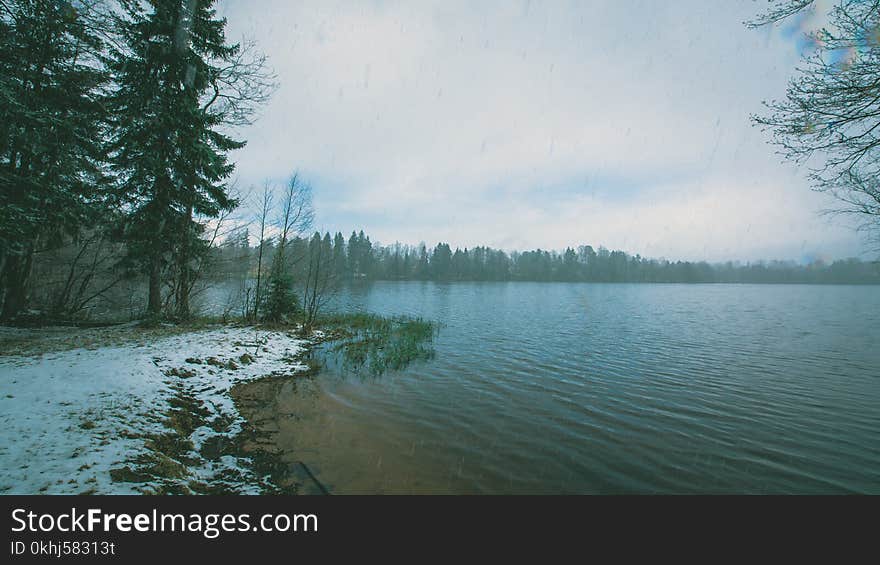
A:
535,124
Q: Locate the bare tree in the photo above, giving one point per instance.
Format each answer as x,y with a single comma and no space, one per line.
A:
90,275
830,117
320,280
265,207
72,275
297,213
295,218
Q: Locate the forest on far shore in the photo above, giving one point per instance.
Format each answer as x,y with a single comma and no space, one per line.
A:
358,258
80,279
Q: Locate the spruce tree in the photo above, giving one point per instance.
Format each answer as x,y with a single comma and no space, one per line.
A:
51,124
170,148
339,255
354,255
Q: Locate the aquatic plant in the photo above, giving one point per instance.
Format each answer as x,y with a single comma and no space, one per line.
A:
374,344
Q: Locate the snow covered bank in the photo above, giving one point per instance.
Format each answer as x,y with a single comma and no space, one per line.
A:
151,416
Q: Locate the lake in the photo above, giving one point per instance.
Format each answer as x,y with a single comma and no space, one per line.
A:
605,388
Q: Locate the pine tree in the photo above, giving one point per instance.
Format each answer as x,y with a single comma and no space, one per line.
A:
339,255
366,255
422,266
354,255
441,262
168,149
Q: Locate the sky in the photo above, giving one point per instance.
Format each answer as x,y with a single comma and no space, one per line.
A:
528,124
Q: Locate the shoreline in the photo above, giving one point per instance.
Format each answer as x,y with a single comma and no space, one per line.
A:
139,410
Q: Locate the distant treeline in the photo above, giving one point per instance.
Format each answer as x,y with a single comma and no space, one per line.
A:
358,258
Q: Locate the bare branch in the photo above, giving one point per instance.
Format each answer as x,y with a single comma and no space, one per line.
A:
780,10
240,86
830,117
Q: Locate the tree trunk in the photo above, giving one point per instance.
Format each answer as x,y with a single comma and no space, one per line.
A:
259,279
154,304
16,272
159,204
183,289
183,295
184,282
2,269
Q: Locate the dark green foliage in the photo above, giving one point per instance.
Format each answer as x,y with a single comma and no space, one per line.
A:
441,262
51,127
581,264
339,255
360,255
280,302
112,123
167,147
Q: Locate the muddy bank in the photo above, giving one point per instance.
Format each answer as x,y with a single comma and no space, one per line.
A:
206,446
316,433
268,405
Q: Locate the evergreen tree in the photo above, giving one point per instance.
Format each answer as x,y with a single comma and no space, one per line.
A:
168,147
366,255
51,124
441,262
280,301
353,254
459,264
422,267
339,256
570,269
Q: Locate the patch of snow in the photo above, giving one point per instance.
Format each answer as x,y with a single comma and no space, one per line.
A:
67,418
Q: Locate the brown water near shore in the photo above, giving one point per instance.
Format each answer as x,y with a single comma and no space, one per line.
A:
301,422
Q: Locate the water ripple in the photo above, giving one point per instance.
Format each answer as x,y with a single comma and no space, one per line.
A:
622,388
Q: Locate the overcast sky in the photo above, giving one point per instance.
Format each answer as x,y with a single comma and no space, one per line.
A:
521,124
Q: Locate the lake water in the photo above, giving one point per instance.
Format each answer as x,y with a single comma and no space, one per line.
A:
606,388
